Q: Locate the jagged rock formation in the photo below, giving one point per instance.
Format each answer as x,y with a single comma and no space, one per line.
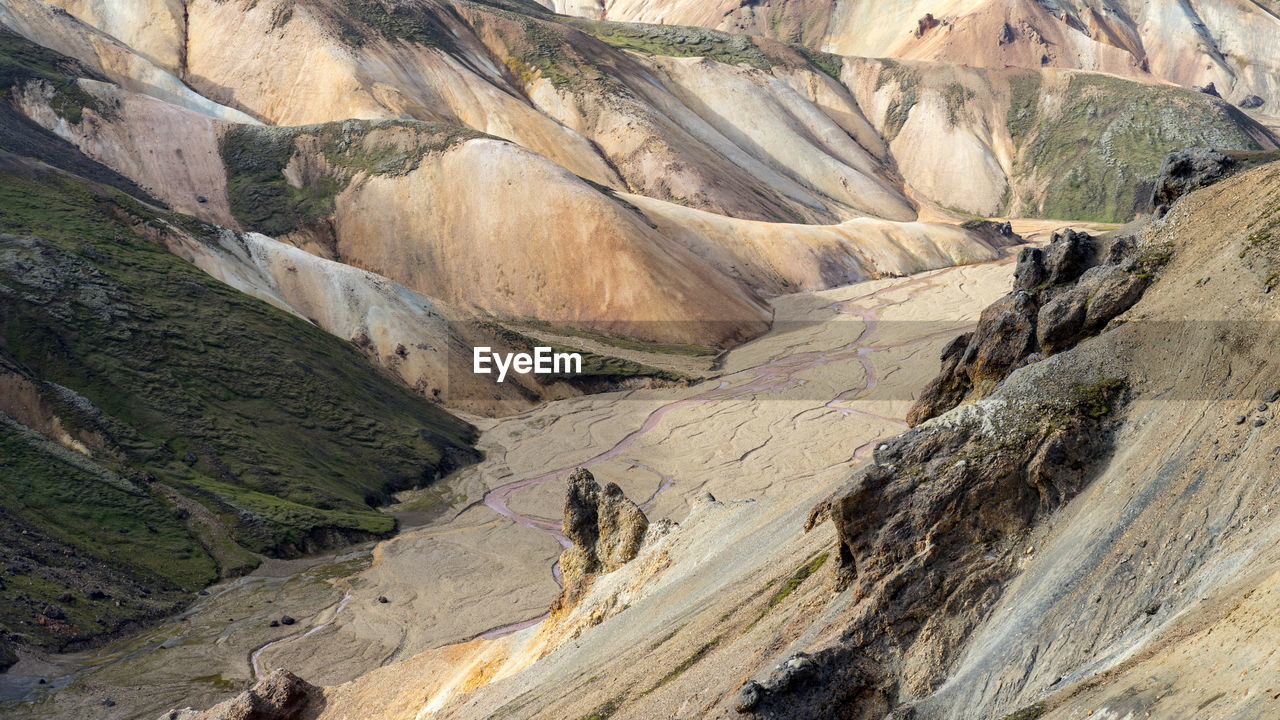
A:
606,528
1062,294
1186,170
280,695
927,533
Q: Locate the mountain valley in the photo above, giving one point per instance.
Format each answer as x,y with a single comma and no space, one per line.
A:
926,366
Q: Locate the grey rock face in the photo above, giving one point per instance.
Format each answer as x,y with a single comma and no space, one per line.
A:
1062,294
1184,171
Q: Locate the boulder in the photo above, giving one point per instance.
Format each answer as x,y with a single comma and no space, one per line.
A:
1209,89
281,695
1005,335
1184,171
1029,273
1068,255
8,658
1006,35
1251,102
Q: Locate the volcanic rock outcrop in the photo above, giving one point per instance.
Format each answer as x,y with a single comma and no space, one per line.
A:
1061,294
605,527
1193,168
280,695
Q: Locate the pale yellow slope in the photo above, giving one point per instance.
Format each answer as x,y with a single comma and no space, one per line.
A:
782,258
313,76
154,28
498,227
54,28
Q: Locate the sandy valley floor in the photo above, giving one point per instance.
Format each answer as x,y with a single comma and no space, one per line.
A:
788,417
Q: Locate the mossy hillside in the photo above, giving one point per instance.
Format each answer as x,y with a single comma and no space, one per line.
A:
23,62
678,41
70,531
282,429
906,95
1101,150
256,157
1024,99
359,22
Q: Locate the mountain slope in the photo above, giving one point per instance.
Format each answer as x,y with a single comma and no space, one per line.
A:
1044,143
1224,42
1094,537
279,433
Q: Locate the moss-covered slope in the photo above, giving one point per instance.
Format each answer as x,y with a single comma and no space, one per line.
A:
1099,148
282,430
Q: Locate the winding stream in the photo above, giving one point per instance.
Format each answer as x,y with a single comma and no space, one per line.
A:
777,374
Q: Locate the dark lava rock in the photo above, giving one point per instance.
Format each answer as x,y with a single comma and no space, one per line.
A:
383,599
996,234
928,531
66,597
1184,171
1240,419
274,623
925,24
1063,293
8,658
1028,274
1251,102
1006,35
286,620
1208,90
202,199
749,696
53,612
1067,256
190,458
1272,396
1259,422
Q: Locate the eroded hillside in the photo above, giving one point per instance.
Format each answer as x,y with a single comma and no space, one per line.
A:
249,245
1088,534
1226,44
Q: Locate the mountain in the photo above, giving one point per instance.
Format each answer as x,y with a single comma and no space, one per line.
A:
1225,44
820,460
161,427
1087,531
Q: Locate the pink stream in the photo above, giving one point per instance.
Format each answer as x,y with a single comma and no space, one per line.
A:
773,376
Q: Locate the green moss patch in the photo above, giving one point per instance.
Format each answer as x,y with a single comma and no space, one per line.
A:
256,157
687,663
1030,712
23,62
284,432
1101,149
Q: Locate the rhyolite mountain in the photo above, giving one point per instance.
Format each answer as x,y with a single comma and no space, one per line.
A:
1225,45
